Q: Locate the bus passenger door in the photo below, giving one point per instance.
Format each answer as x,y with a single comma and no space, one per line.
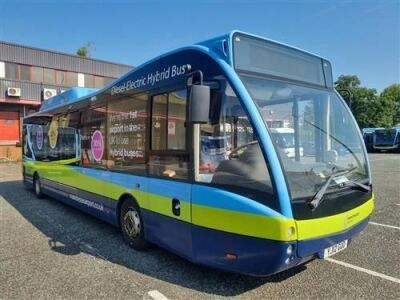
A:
167,221
168,217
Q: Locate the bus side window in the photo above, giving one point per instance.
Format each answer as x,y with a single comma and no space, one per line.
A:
168,154
39,141
68,137
230,155
26,148
93,137
126,132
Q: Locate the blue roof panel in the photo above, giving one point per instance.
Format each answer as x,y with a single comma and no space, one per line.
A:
68,97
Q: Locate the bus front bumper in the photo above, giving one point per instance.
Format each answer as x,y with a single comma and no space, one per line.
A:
315,235
263,257
386,147
315,247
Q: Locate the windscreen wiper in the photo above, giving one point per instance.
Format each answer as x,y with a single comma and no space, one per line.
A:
357,184
317,199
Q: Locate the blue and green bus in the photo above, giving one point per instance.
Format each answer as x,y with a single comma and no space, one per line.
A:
387,139
179,152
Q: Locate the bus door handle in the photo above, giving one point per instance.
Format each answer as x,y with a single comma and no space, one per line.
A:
176,207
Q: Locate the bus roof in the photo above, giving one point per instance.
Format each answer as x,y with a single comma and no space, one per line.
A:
220,46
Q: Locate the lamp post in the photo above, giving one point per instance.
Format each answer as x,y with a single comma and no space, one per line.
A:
350,95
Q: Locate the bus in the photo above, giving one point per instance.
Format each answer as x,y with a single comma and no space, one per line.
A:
368,136
386,139
178,153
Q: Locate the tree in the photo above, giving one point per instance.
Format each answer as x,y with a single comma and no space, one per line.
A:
86,50
347,82
360,100
392,94
369,108
382,112
363,106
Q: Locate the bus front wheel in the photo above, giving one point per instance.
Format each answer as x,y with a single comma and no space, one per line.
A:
37,187
132,225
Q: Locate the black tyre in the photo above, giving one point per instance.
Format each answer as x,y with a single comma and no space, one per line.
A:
132,225
37,186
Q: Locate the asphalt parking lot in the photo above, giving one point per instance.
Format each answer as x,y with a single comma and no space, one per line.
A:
49,250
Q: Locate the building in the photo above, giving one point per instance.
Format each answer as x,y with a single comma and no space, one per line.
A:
31,75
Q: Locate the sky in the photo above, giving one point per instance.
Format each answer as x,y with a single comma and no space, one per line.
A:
360,37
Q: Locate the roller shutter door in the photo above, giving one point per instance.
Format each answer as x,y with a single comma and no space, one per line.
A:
9,126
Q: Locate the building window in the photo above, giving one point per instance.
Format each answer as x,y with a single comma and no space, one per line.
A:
49,76
72,79
98,82
60,78
37,74
107,80
12,71
25,72
89,81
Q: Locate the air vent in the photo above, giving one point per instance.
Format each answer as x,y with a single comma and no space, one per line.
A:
48,93
13,92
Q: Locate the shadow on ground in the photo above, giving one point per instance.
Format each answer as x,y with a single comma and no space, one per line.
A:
71,232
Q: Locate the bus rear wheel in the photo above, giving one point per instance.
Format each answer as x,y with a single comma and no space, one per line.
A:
37,186
132,226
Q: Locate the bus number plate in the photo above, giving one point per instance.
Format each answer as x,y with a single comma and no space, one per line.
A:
335,249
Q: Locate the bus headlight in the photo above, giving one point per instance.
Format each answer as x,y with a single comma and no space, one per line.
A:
291,231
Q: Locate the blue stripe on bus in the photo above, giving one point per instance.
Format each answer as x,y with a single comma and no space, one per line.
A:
170,189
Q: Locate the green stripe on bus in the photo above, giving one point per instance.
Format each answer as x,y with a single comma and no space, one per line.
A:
244,223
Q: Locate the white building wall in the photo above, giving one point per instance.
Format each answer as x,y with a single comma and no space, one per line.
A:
2,69
81,80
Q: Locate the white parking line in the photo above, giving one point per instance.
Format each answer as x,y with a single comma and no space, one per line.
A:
384,158
156,295
373,273
384,225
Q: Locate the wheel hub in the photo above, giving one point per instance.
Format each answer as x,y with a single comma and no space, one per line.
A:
132,223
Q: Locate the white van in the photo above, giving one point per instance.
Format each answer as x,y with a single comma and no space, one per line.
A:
284,139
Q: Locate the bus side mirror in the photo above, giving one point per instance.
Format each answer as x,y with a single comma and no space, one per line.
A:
199,104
